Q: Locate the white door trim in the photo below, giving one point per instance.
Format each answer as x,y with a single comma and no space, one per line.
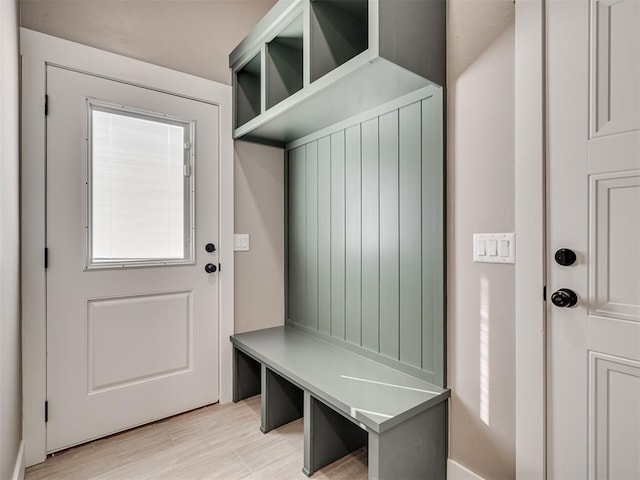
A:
530,218
39,50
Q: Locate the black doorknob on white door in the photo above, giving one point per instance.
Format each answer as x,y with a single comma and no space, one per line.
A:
564,298
565,257
210,268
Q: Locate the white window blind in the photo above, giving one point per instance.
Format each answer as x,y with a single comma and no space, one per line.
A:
139,194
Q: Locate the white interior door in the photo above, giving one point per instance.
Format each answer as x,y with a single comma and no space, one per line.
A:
593,68
132,202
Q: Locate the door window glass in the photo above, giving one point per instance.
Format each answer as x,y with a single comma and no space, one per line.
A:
139,188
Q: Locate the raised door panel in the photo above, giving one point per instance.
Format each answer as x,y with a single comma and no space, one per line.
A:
614,86
615,59
615,417
615,246
131,340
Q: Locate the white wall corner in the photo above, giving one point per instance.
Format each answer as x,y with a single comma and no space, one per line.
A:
455,471
18,471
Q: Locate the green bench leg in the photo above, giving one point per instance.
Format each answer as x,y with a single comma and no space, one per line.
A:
413,450
246,376
328,435
281,401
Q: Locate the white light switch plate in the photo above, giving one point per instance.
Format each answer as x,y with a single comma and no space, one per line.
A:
241,242
494,248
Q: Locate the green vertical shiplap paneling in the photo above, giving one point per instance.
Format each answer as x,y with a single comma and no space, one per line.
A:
338,289
410,175
366,236
324,235
297,234
389,241
370,236
433,238
353,233
311,260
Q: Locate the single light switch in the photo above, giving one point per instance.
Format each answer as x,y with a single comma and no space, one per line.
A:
492,248
241,242
503,248
480,248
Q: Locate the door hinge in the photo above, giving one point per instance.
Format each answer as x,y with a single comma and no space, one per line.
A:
187,170
544,293
46,411
46,257
46,105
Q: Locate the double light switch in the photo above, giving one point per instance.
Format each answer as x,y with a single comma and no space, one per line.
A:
494,247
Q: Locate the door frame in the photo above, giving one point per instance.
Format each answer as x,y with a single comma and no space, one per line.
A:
530,221
38,50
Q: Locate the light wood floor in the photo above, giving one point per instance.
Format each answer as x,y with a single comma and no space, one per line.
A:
218,442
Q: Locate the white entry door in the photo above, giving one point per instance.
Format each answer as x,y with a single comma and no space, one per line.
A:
593,72
132,204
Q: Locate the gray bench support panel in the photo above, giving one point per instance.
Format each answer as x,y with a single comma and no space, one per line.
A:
413,450
246,376
328,435
282,401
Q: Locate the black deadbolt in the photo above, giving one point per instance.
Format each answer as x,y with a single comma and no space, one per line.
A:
210,247
210,268
564,298
565,257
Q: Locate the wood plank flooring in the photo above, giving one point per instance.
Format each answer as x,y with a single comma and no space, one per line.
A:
219,442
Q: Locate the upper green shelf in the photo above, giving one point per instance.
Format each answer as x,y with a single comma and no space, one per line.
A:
309,64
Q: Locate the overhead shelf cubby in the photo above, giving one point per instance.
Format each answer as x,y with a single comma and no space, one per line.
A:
248,91
339,32
328,60
285,63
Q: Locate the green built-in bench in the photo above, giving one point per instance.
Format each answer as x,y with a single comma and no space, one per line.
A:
348,401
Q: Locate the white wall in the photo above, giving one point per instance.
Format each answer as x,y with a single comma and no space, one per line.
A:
259,203
192,36
10,377
481,307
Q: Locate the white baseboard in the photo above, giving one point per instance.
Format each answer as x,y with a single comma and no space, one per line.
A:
455,471
18,471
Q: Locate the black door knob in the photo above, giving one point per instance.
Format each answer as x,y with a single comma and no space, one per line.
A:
210,268
565,257
564,298
210,247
